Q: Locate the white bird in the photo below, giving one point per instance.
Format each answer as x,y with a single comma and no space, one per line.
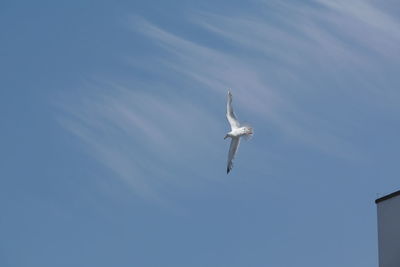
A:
235,133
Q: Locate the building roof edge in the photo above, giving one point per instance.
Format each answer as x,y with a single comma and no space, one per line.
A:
389,196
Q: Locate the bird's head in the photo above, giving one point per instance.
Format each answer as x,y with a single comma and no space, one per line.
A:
248,130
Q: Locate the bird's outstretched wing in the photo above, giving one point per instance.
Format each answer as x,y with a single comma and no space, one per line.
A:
229,113
232,151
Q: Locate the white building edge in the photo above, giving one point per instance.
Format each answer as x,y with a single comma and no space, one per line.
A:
389,230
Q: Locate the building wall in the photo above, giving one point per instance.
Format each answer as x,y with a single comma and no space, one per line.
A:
389,232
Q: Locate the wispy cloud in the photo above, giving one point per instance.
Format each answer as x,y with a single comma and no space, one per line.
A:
144,139
296,68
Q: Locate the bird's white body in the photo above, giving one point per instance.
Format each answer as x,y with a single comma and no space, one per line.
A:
236,132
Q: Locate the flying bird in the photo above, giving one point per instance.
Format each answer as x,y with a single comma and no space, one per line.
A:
235,133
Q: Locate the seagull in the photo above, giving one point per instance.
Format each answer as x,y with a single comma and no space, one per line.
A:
235,133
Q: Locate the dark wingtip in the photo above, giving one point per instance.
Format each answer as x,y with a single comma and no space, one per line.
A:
227,171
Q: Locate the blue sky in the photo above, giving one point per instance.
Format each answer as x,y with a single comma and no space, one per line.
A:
113,118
